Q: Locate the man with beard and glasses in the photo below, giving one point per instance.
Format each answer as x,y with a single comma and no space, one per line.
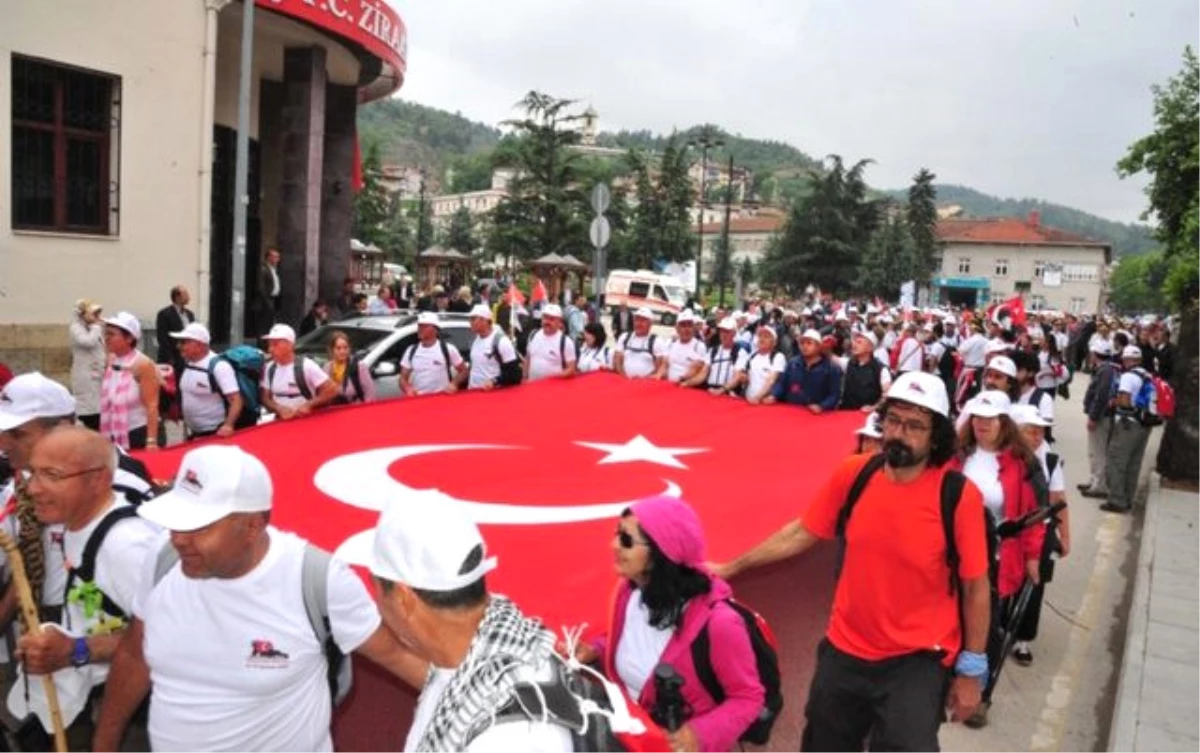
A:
897,655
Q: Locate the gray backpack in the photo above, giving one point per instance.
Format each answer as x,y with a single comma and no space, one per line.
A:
314,587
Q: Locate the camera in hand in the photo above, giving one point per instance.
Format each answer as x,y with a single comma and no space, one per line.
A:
670,710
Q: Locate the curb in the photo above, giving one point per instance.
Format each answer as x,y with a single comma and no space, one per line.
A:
1122,734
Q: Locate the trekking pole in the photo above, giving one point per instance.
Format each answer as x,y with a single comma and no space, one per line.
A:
33,626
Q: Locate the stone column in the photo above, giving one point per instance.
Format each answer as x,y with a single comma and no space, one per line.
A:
302,125
337,190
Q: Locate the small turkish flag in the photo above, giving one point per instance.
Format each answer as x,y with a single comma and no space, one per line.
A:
515,297
539,291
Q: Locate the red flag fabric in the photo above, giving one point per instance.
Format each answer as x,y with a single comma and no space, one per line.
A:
539,291
515,297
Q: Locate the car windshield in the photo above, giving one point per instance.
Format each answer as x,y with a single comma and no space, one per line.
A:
676,294
315,344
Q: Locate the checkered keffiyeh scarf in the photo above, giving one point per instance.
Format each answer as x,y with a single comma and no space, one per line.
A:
117,391
506,642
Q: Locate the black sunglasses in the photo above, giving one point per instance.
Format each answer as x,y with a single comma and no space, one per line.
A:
626,540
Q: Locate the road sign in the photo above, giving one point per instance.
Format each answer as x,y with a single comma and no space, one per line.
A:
600,198
600,232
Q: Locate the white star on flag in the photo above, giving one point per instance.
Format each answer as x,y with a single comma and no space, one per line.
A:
641,449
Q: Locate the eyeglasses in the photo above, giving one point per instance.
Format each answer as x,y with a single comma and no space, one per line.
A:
627,541
52,476
895,423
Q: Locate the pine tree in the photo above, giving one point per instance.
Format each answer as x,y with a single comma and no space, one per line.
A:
371,205
922,225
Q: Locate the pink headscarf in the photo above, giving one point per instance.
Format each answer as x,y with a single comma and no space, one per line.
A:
675,527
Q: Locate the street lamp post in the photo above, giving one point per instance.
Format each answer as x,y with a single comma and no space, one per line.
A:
705,141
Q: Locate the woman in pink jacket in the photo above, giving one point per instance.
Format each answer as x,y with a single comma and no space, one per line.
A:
665,597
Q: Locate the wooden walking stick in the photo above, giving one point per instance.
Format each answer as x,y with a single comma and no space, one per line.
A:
33,626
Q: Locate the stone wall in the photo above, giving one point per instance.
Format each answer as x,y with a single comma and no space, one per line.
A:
36,347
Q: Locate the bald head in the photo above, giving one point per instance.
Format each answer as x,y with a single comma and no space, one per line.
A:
82,445
71,474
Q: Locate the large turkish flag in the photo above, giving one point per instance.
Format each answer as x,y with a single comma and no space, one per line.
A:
545,468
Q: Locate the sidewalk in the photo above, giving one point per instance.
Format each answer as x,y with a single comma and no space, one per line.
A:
1160,671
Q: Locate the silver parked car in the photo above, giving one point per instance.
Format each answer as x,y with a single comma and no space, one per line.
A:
380,343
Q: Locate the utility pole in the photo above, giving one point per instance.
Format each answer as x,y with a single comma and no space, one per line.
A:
705,141
725,259
421,214
241,191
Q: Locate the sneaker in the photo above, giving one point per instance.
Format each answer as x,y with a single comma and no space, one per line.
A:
979,719
1095,493
1083,487
1022,655
1110,507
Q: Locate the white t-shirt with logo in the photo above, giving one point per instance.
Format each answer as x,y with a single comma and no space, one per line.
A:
546,354
235,664
534,737
428,364
484,366
52,544
119,570
204,410
758,368
640,647
637,360
283,387
681,357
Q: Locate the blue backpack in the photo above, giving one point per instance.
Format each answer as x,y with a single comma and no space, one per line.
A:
247,362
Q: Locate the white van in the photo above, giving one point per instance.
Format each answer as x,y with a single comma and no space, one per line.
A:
663,295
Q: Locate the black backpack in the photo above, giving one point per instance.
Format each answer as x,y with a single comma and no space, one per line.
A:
766,659
412,350
355,382
86,571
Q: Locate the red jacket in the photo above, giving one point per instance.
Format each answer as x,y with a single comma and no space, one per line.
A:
1020,498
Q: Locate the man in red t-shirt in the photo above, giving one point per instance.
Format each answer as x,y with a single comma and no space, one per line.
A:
895,632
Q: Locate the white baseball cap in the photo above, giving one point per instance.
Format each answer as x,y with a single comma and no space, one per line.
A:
426,550
996,346
554,310
686,317
1028,415
125,321
988,404
428,317
841,316
281,332
1131,351
644,313
1101,347
728,323
194,331
1004,365
869,336
481,311
871,427
31,396
922,389
811,334
213,482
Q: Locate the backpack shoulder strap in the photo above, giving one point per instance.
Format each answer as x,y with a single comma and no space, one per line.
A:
408,354
951,492
352,375
1052,460
868,470
446,355
562,349
271,376
86,572
650,344
301,382
314,585
702,663
164,561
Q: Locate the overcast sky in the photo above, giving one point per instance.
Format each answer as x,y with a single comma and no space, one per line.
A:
1012,97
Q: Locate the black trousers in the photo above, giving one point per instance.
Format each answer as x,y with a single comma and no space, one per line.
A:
894,704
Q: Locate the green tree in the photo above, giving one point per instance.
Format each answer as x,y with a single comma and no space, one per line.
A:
372,203
1171,156
827,232
890,260
922,225
420,214
1136,284
660,225
545,195
460,233
471,172
397,237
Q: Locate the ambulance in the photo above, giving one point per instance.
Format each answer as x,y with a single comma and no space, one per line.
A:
662,294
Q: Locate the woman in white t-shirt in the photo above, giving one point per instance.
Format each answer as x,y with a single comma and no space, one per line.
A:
666,595
1033,426
594,355
760,371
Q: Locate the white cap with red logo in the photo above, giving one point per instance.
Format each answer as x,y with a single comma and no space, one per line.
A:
213,482
31,396
921,389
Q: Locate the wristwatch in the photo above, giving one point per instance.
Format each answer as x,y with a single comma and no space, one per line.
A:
81,655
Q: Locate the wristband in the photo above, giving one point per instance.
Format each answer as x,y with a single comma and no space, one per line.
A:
971,664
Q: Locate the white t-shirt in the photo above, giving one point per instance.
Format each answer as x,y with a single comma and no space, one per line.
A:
594,359
203,409
547,353
1057,480
934,352
973,351
1130,383
428,364
283,388
640,647
910,356
234,663
889,339
52,544
681,357
118,574
721,365
1045,406
758,368
637,359
1050,374
484,366
501,738
983,468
